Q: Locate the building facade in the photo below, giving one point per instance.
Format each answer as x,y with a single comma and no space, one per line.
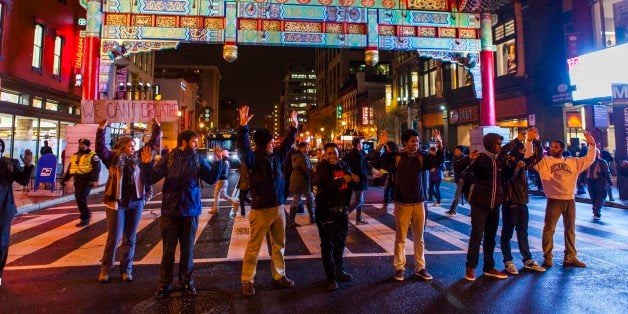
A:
299,92
186,94
40,57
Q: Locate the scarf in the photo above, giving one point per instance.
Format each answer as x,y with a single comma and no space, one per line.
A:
123,172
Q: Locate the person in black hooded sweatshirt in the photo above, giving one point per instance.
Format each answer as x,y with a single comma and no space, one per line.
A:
485,199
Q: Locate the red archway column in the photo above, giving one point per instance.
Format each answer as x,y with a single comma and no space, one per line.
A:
92,50
487,104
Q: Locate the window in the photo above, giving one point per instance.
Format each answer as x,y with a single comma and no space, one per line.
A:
38,102
52,105
414,77
1,24
14,97
56,65
460,76
428,77
38,46
506,56
382,69
615,27
403,87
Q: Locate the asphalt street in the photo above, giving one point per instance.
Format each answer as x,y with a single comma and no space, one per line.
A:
53,266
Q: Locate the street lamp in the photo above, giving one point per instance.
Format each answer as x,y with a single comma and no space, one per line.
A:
322,129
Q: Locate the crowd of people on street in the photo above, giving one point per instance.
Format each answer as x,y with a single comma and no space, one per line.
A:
494,182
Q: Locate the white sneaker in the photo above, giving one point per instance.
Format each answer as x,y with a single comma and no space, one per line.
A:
232,214
533,265
511,269
436,204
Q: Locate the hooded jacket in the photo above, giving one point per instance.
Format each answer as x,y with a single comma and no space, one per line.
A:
266,181
356,159
516,178
487,189
181,171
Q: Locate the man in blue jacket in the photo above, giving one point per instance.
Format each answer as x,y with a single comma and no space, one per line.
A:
266,184
181,170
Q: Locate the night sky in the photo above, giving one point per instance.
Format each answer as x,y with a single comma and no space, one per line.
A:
255,78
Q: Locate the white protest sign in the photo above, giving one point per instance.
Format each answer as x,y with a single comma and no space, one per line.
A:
128,111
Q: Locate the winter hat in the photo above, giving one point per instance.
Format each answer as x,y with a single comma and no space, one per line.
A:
262,137
84,141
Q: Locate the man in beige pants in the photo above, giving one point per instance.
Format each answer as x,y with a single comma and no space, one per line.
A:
266,184
409,197
558,176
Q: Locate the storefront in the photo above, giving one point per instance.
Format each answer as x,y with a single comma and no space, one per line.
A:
26,121
461,121
512,114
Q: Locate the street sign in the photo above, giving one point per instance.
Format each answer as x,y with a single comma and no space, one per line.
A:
620,117
600,116
532,120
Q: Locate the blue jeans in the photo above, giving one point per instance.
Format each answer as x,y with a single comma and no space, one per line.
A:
515,216
122,222
434,189
358,201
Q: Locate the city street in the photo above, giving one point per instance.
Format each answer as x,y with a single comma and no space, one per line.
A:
53,266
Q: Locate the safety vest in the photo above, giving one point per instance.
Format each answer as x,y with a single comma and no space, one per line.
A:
83,165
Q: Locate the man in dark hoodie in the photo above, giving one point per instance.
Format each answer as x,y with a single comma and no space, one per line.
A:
267,190
410,194
10,171
514,207
182,169
356,159
485,198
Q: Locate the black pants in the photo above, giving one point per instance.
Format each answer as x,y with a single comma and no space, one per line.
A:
333,234
82,188
516,216
484,222
389,189
5,236
175,230
243,197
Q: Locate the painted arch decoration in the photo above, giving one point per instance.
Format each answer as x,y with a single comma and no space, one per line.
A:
435,28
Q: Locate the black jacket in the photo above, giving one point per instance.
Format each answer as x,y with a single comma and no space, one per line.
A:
266,181
11,171
332,189
603,174
411,175
460,164
516,184
487,189
356,159
181,172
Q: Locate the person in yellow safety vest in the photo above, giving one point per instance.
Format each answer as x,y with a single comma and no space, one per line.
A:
84,167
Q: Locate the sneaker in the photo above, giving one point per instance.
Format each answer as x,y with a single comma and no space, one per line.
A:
285,282
332,285
232,214
248,289
469,274
424,274
103,277
451,212
532,265
127,277
548,263
495,274
213,211
597,216
163,292
399,275
574,263
436,204
343,276
361,222
189,289
83,223
511,268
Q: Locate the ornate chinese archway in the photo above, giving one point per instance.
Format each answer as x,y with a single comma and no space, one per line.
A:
445,29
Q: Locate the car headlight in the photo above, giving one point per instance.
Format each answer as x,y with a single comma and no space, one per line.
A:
234,157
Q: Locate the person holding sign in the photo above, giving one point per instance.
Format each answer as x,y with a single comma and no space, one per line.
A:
182,169
84,167
10,171
125,197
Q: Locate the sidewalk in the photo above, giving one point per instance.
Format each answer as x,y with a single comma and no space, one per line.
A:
26,204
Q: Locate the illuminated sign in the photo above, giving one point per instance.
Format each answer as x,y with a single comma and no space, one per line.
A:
593,73
128,110
78,62
81,22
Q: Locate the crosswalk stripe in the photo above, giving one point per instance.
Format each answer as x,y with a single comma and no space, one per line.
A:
388,229
309,233
91,252
33,244
18,227
585,221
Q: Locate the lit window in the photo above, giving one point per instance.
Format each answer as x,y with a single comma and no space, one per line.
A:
38,45
56,65
415,84
506,54
52,105
38,102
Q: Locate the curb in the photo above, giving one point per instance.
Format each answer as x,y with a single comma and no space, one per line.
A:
581,199
24,209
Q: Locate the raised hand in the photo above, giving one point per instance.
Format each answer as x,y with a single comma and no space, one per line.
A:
437,137
355,178
103,124
294,119
533,134
474,155
383,138
588,137
521,136
27,159
146,155
244,115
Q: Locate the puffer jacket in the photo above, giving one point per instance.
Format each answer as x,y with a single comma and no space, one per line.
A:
487,189
266,181
181,171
